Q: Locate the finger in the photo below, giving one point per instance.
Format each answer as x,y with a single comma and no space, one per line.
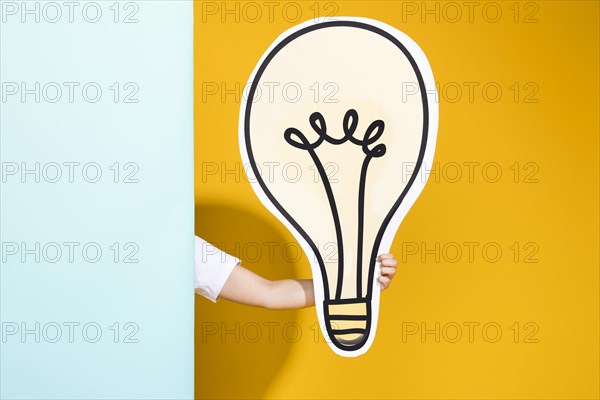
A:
384,281
384,256
388,271
389,262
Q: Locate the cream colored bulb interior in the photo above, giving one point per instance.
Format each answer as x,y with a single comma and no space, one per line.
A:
371,75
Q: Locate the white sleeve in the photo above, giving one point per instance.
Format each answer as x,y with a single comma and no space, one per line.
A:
212,267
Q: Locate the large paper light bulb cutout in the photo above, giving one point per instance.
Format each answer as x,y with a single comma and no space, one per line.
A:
344,115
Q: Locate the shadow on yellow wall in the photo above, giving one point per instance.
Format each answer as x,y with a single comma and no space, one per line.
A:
231,337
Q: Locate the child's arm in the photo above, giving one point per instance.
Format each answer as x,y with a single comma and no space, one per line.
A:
245,287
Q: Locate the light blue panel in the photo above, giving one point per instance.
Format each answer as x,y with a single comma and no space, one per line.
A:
138,133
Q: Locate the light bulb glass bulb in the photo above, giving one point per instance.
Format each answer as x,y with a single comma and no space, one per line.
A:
352,140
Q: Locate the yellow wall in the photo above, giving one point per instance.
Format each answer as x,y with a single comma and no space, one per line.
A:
550,208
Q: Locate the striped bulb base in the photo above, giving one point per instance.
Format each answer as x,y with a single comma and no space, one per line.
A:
348,322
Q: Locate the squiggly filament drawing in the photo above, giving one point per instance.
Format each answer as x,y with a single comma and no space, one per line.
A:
374,131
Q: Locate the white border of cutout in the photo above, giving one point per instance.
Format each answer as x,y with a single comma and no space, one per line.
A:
408,201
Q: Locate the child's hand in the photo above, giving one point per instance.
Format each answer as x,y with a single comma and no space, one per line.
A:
388,269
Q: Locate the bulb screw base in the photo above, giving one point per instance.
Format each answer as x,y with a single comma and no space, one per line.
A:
348,322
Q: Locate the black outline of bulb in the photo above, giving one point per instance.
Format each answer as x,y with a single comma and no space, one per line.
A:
245,130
